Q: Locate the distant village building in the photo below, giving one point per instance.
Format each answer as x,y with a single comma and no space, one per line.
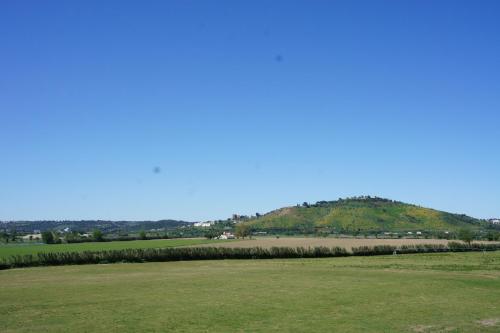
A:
238,217
495,221
203,224
227,235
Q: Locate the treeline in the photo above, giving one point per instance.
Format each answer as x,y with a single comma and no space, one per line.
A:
52,237
356,199
466,235
88,225
214,253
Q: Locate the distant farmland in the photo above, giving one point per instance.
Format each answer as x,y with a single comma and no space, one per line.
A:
346,243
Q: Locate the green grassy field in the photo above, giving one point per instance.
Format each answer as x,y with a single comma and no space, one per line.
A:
7,250
450,292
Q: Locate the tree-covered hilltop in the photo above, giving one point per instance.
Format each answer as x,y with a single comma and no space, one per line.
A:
362,214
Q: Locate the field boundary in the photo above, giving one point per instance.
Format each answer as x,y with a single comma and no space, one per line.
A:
221,253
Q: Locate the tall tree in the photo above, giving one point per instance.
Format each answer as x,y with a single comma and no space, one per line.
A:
98,235
4,236
213,233
242,230
48,237
466,235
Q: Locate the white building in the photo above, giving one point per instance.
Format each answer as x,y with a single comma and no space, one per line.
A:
204,224
227,235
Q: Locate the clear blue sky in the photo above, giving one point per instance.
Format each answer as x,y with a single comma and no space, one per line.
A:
246,106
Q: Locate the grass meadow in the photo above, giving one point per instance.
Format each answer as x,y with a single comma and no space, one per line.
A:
444,292
7,250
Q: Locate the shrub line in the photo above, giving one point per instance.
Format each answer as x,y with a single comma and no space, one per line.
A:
221,253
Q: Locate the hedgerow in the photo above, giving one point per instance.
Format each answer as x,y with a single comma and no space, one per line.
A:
220,253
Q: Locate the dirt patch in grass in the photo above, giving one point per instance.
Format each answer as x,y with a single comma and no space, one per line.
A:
430,328
489,322
421,328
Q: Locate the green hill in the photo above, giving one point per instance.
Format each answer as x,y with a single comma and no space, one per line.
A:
363,214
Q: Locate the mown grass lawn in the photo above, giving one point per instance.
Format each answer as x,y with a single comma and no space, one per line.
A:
7,250
449,292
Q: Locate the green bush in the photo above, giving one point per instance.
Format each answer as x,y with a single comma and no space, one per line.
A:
422,248
466,235
463,247
48,237
97,235
373,250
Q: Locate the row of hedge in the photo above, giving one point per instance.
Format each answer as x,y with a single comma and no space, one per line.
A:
168,254
423,248
219,253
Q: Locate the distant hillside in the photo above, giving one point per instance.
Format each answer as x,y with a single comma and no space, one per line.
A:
363,214
89,225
